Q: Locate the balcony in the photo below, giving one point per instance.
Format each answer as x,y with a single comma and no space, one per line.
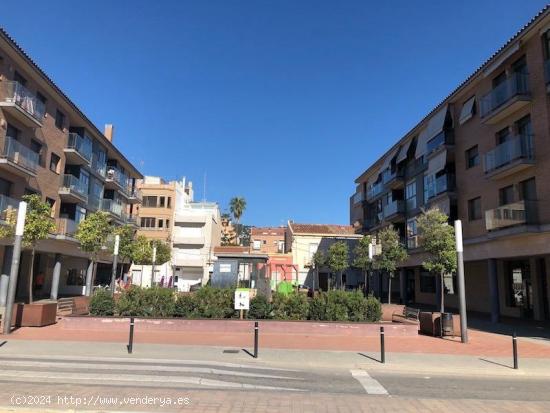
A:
416,167
116,180
18,159
442,184
73,190
392,180
506,98
8,209
411,204
65,227
517,213
441,141
375,191
99,167
509,157
413,242
131,219
16,100
182,258
112,207
94,202
394,211
358,197
134,196
78,150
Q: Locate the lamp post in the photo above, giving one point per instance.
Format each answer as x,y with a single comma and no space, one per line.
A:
367,274
115,263
14,271
153,266
460,279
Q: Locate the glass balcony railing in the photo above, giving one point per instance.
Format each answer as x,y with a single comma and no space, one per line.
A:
8,207
115,175
75,185
441,184
16,93
416,167
19,154
65,226
412,242
411,203
388,176
112,206
98,165
435,143
516,84
94,202
520,147
375,190
134,193
82,145
358,197
393,208
517,213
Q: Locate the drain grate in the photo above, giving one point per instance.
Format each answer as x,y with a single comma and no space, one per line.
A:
231,351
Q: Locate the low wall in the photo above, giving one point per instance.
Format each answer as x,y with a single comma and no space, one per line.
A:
239,326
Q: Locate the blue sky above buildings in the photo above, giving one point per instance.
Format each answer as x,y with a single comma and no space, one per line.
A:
283,102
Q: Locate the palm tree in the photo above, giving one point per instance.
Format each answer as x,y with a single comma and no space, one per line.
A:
237,205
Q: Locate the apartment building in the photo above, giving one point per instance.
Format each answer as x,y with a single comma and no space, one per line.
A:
302,241
482,156
49,147
271,241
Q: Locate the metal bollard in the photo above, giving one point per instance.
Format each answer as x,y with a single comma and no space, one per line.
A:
515,350
256,331
382,346
131,338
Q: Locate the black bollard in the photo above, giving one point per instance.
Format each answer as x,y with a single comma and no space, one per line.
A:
515,350
131,338
256,331
382,347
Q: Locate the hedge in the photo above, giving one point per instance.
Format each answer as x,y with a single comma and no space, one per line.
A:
209,302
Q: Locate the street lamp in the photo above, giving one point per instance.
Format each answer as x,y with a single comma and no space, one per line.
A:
115,263
461,284
14,271
153,266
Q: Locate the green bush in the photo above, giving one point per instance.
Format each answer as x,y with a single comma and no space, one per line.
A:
146,302
102,303
186,306
374,309
293,306
317,307
357,306
337,308
215,302
337,305
278,303
260,308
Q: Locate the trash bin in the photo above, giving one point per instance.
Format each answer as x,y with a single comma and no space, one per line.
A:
447,324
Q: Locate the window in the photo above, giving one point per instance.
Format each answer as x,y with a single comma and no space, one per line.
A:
503,135
518,280
167,223
41,97
468,110
19,78
54,162
12,131
149,201
169,202
280,246
162,201
410,195
506,195
51,203
161,223
257,244
524,126
412,231
36,147
147,222
474,209
59,119
472,157
528,190
5,187
427,282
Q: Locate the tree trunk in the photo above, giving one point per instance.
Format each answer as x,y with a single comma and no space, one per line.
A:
31,277
442,293
389,288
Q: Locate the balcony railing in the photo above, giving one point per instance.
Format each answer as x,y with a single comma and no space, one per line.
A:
358,197
412,242
438,141
375,190
411,203
393,208
520,147
65,226
516,84
388,176
441,184
75,185
8,207
81,145
20,154
131,219
115,175
111,206
14,92
99,166
517,213
134,193
94,202
416,167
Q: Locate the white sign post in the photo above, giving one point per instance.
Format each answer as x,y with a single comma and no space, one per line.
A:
242,300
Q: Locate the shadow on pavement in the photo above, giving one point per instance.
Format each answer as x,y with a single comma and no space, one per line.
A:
496,363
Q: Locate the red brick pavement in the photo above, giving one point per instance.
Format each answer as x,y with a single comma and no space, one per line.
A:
481,343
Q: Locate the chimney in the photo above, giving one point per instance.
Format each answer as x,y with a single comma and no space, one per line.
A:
109,132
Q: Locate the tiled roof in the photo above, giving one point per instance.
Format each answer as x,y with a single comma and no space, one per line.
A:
321,229
484,65
19,49
269,230
230,249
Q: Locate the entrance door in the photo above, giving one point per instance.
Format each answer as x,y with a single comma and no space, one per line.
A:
410,287
521,287
323,281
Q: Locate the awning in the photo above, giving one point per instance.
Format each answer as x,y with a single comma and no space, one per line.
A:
437,163
403,152
467,110
436,123
421,144
387,161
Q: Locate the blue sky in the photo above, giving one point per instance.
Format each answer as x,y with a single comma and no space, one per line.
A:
284,102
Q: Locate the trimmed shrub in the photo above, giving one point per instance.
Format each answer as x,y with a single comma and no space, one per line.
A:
278,302
336,308
374,309
215,302
186,306
131,302
357,306
146,302
317,307
102,303
260,308
293,306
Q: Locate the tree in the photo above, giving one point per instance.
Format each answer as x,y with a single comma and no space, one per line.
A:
142,251
38,225
437,238
362,259
319,260
126,244
338,259
93,233
237,206
164,252
392,254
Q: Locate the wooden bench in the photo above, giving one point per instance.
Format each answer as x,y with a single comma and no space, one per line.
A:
409,315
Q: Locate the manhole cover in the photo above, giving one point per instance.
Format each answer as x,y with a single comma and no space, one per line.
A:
231,351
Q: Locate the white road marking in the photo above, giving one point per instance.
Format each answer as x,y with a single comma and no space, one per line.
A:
370,385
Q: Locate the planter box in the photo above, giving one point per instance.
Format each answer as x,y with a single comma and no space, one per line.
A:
81,305
34,315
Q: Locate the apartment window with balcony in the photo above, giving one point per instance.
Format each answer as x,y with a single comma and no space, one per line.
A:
410,195
19,78
162,202
59,119
506,195
472,157
149,201
412,232
524,127
5,187
54,163
146,222
36,147
41,97
503,135
474,209
161,223
169,202
528,190
12,131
